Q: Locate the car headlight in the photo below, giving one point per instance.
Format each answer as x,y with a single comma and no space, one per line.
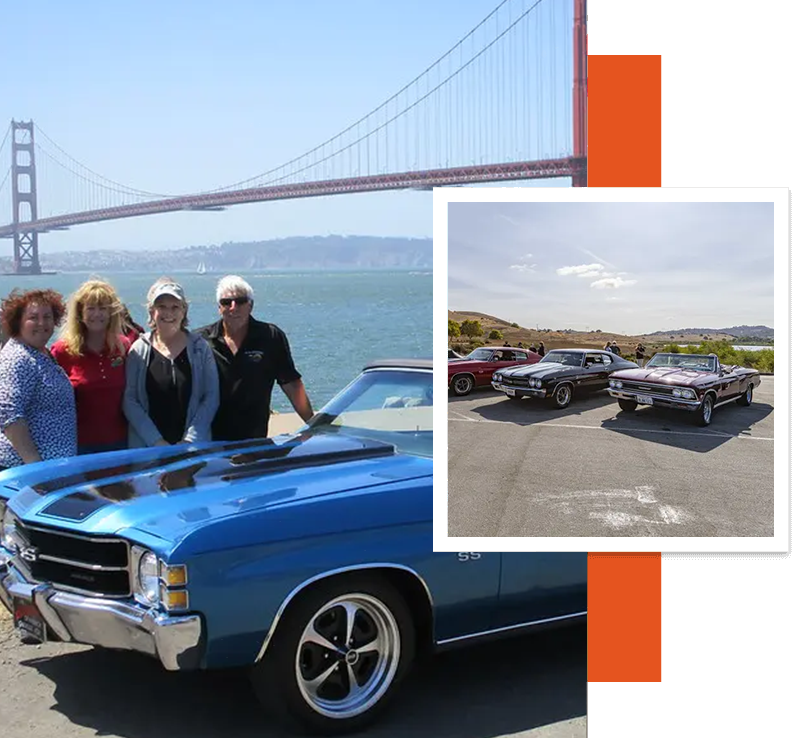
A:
617,383
688,394
497,377
147,576
8,529
538,382
676,392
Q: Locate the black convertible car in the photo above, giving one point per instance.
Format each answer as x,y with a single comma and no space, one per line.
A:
560,374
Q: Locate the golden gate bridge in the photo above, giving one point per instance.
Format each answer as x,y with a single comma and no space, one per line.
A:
512,91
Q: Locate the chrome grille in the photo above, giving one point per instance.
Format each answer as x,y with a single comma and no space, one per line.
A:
516,381
97,566
652,389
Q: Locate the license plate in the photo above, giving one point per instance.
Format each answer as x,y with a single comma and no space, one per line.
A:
510,392
28,621
644,400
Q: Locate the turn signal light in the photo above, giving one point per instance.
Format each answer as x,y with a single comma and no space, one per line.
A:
174,576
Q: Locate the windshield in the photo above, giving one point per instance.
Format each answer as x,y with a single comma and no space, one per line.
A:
480,354
695,362
390,405
570,358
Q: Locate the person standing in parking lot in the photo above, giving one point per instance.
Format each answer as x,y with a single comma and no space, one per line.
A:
251,357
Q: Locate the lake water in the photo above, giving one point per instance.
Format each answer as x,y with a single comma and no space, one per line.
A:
739,348
335,321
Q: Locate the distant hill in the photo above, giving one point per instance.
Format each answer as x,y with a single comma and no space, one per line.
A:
568,338
737,331
305,252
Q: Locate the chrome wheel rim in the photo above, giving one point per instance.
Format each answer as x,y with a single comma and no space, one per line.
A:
563,395
347,656
749,394
707,410
463,385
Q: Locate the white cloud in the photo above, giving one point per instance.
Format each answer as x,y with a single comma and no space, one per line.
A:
523,267
595,273
526,257
612,283
592,269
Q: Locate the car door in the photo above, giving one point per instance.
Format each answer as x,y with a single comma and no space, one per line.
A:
464,588
594,374
537,586
729,384
601,373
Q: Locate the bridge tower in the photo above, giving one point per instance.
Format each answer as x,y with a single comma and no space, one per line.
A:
580,92
23,182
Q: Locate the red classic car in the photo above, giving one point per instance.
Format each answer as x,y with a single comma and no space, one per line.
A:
695,382
476,369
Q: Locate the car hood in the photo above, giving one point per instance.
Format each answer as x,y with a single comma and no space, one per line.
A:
541,370
664,375
467,363
168,492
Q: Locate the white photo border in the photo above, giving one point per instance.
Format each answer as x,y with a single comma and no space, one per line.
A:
780,541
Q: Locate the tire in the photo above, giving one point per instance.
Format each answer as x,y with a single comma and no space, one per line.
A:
562,395
704,413
462,384
628,406
748,396
515,398
292,681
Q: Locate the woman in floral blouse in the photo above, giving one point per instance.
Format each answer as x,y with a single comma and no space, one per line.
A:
37,403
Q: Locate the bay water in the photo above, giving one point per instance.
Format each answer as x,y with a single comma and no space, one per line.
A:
335,321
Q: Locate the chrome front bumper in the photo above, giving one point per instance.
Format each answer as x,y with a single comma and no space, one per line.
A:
520,391
658,400
175,640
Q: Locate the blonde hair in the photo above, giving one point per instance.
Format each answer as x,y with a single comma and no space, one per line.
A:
92,292
151,306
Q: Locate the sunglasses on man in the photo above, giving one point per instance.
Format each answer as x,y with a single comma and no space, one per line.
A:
227,301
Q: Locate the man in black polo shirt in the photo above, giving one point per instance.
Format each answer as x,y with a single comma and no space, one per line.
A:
251,355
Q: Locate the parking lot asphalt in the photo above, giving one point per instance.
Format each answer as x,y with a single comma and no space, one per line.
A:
521,468
532,686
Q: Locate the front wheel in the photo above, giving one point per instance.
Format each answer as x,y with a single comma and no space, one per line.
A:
462,384
628,405
337,657
704,412
561,397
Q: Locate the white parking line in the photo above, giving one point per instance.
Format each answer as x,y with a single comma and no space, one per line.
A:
600,428
463,417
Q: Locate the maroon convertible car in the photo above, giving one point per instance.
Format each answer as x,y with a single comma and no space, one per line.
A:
476,369
695,382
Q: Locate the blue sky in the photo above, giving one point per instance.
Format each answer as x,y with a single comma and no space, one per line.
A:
182,97
628,268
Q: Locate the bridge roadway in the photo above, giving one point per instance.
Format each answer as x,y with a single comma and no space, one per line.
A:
513,171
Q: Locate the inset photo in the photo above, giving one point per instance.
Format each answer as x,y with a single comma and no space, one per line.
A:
610,369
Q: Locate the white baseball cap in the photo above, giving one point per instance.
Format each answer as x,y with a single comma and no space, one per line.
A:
172,289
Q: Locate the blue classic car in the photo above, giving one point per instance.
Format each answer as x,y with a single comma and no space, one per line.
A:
307,557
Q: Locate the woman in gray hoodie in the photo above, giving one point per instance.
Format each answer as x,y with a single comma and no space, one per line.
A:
172,390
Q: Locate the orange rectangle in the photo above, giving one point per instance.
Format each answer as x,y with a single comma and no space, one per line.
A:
624,121
624,617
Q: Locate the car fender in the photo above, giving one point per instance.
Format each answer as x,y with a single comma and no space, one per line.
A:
342,571
459,374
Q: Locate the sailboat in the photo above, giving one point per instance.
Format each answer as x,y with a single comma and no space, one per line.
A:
201,269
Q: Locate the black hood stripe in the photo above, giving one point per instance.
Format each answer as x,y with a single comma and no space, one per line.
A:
97,475
325,450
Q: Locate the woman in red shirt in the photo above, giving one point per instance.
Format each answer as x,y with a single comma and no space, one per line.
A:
92,350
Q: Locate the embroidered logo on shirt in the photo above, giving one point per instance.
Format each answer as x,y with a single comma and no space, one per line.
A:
255,356
116,361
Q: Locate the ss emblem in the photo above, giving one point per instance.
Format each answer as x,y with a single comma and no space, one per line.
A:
469,556
30,554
